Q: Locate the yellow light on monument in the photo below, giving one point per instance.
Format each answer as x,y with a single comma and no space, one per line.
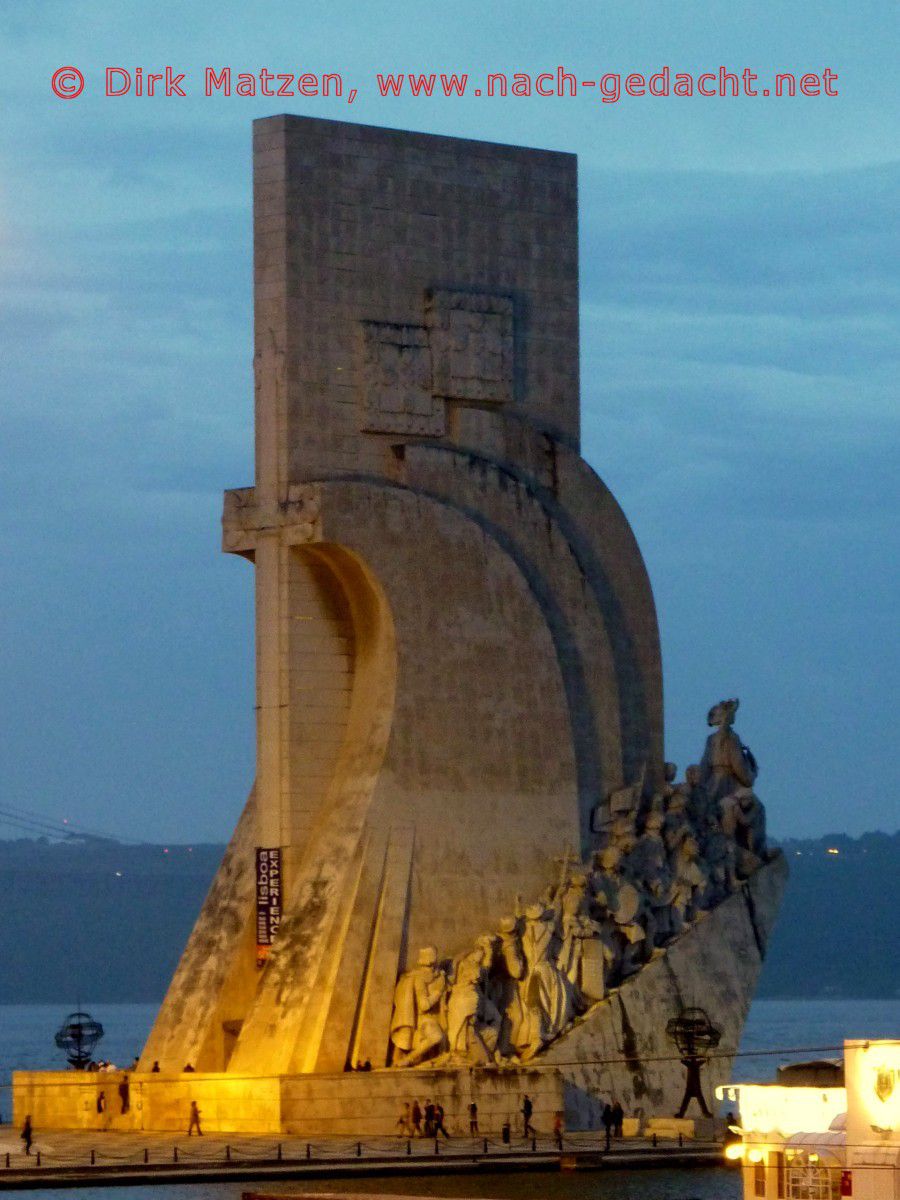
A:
734,1151
755,1156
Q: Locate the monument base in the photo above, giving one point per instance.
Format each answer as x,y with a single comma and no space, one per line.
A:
616,1050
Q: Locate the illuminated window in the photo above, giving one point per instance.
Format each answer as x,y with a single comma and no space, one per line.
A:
759,1179
809,1181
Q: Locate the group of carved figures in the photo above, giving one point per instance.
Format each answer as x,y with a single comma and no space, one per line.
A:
664,860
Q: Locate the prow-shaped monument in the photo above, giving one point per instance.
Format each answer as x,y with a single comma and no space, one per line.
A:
464,853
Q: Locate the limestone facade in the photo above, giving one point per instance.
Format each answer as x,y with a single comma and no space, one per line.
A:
458,675
457,648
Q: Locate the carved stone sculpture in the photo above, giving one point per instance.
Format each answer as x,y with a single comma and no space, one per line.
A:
581,957
548,992
509,988
517,990
605,879
718,852
697,803
654,879
473,1020
727,763
744,821
629,935
649,860
418,1024
676,826
689,885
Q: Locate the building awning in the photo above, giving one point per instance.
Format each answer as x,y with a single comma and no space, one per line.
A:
818,1072
830,1143
820,1137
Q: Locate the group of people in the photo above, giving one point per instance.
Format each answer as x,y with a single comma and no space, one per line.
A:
666,855
418,1120
124,1090
613,1120
106,1067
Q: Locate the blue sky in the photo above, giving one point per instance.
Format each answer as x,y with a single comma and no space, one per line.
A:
739,375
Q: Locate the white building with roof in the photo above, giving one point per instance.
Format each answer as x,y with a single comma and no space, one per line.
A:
821,1143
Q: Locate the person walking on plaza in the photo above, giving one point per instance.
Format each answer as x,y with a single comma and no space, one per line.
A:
608,1120
429,1119
404,1122
27,1134
417,1118
558,1130
439,1126
473,1118
527,1110
618,1119
195,1120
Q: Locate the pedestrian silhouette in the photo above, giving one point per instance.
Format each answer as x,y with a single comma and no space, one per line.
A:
195,1120
404,1122
608,1120
527,1110
439,1126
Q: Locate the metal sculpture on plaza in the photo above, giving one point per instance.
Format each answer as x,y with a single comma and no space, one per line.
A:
78,1036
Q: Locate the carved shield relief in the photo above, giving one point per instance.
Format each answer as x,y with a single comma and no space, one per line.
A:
885,1078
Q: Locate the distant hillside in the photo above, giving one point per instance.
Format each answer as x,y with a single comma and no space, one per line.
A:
99,921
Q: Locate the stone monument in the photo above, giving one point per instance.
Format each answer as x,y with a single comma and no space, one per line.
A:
464,853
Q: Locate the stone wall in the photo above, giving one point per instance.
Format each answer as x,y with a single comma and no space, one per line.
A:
370,1103
162,1102
397,272
351,1104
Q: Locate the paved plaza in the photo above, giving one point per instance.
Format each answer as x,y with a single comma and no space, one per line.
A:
69,1156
